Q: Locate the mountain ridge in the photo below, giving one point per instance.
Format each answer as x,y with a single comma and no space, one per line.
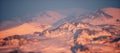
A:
95,32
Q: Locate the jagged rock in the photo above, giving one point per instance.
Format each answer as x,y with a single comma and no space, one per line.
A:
99,38
115,40
79,47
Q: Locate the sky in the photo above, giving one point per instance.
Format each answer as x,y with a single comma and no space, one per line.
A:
10,9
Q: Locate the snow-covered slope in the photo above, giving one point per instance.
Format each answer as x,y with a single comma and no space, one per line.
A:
104,16
26,28
47,17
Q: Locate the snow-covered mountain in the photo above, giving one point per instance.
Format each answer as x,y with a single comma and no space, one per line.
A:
93,32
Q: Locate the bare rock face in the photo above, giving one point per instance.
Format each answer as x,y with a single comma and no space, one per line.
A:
92,34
